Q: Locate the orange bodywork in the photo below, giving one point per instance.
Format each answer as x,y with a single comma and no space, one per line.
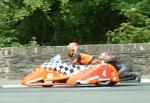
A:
97,73
92,75
42,74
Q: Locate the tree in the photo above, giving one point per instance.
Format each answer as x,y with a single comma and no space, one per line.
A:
136,29
57,22
85,21
23,20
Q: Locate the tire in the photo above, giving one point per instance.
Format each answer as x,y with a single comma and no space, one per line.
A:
105,83
42,81
45,86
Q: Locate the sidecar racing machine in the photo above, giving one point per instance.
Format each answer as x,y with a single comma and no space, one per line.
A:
54,72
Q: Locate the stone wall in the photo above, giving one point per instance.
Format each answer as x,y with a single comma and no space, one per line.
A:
15,63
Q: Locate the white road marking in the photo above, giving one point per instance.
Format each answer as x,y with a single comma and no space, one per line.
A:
14,86
145,80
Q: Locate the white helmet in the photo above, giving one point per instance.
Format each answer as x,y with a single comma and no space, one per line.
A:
72,48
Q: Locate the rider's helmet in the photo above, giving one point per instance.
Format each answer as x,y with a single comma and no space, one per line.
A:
72,47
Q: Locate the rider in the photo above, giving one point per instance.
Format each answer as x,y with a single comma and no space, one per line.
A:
80,56
124,68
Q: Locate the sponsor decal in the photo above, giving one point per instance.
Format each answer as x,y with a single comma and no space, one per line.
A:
104,79
50,75
93,78
82,81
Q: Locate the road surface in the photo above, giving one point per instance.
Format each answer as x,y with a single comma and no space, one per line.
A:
121,93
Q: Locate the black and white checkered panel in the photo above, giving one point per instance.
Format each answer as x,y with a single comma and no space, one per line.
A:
52,63
49,65
67,69
70,69
61,67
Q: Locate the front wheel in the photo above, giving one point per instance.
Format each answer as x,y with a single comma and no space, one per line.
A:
42,82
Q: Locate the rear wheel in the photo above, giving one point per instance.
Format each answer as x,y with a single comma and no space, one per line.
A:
105,83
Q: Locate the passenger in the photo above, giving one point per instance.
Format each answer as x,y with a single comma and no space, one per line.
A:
123,67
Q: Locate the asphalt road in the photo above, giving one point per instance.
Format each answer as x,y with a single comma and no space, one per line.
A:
121,93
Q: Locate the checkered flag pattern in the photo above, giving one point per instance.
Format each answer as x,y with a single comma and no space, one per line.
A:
49,65
70,69
56,64
52,62
65,68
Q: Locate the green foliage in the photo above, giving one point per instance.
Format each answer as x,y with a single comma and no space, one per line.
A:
19,16
8,37
127,33
137,26
32,43
84,21
58,22
44,5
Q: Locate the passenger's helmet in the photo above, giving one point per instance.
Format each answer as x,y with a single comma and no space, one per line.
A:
104,55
